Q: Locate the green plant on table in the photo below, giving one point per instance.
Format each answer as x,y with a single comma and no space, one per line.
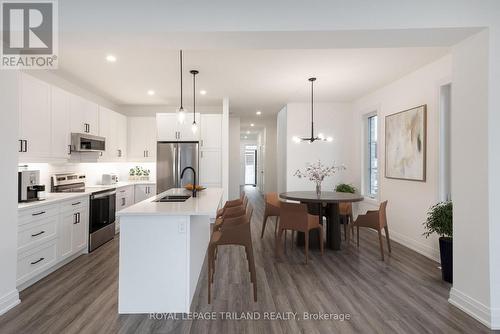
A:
345,188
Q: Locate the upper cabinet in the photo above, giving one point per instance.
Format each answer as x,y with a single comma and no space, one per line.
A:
34,119
84,116
113,127
61,132
141,139
211,131
169,129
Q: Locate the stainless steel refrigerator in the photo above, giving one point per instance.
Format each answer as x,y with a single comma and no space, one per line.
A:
172,158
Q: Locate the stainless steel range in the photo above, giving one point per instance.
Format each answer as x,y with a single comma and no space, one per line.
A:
102,206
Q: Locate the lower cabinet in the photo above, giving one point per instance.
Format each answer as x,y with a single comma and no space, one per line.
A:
144,191
48,235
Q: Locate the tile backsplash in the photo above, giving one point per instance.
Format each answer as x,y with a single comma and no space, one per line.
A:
93,171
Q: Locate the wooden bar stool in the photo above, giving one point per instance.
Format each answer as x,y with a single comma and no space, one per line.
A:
233,231
232,203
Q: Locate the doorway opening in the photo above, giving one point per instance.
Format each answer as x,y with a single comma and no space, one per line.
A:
251,165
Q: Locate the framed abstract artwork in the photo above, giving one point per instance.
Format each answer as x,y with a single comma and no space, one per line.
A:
405,144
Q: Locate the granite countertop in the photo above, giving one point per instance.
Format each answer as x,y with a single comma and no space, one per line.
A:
205,203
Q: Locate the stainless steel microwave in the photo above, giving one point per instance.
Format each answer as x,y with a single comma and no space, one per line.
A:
83,142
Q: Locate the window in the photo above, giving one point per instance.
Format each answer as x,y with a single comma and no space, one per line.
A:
372,158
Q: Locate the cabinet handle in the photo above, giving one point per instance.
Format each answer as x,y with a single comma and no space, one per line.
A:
25,145
123,201
38,213
37,234
147,154
77,218
69,149
21,145
89,127
39,260
76,203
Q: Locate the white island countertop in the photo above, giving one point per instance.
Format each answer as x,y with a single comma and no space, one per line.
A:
204,204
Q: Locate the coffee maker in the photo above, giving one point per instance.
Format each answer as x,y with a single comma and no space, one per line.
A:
29,187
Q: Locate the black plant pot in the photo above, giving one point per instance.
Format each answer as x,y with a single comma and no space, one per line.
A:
446,250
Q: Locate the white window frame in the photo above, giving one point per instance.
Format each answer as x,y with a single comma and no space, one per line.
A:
365,168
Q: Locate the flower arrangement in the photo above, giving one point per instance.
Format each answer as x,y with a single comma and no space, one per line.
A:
139,174
317,172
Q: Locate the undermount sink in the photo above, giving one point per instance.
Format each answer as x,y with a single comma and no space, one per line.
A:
174,198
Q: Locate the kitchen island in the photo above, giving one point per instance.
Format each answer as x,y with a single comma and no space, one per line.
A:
162,250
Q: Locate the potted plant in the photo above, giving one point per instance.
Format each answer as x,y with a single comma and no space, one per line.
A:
440,221
345,188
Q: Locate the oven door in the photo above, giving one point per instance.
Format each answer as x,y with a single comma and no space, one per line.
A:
102,210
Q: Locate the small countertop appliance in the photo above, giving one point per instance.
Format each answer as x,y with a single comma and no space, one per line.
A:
29,187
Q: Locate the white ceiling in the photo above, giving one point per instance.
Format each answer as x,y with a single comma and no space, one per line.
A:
252,79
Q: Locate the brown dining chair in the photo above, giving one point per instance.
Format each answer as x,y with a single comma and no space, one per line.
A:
345,213
233,231
272,209
294,217
377,220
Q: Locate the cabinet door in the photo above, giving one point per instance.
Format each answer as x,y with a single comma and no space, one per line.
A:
65,241
210,167
167,127
34,118
141,139
140,193
61,132
79,230
210,131
121,136
108,130
77,114
84,116
185,131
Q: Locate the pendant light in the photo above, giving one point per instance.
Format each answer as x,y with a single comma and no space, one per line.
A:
181,112
320,136
194,126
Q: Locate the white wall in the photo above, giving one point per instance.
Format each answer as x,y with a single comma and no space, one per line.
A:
270,159
331,119
472,287
9,295
234,157
417,88
281,149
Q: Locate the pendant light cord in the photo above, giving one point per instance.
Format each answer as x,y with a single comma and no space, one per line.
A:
194,98
181,108
312,109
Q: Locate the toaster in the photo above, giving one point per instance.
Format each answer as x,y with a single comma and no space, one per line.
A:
108,179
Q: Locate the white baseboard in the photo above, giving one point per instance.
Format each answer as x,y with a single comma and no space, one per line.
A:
474,308
417,246
9,301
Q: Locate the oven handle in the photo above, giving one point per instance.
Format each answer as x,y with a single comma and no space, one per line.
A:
103,195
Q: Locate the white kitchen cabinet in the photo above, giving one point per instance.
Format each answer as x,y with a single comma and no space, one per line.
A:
73,227
121,136
61,124
141,139
144,191
211,131
169,129
210,168
84,115
34,119
113,127
124,197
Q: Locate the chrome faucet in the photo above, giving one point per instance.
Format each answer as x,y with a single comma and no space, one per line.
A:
194,173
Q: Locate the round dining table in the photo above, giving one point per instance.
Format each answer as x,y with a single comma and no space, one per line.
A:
328,200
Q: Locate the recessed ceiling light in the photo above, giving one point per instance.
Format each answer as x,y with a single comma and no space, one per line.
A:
252,124
203,92
248,132
259,112
151,92
245,137
110,58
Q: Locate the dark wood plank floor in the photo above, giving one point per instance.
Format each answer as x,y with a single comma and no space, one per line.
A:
404,294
